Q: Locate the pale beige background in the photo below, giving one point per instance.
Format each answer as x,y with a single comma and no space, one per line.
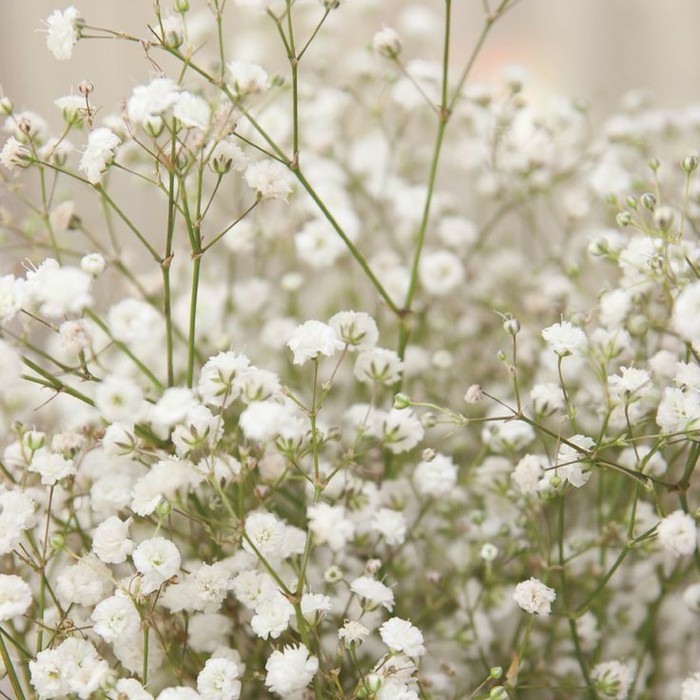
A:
594,49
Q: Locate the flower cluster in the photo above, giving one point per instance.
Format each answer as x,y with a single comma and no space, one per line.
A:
349,417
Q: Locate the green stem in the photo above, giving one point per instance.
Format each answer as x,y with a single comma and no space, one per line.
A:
11,673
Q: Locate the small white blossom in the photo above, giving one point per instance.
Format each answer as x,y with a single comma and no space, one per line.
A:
387,42
533,596
401,636
247,78
373,591
264,533
565,339
269,178
15,597
678,534
314,338
356,329
62,33
290,670
219,680
111,542
612,679
158,560
101,147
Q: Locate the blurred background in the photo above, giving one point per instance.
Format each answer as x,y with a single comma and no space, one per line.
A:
590,49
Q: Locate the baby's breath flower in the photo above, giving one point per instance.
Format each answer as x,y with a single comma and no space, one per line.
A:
533,596
678,533
565,339
62,32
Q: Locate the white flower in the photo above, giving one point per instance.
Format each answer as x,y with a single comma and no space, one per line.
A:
93,263
401,636
250,587
217,385
148,102
209,585
247,78
436,477
529,474
73,667
630,383
179,692
569,460
378,365
264,533
269,178
131,689
101,147
391,525
678,410
353,632
62,33
16,515
690,688
218,680
10,298
58,291
374,591
314,605
686,314
15,597
86,582
116,617
386,42
612,679
111,542
51,466
330,525
440,272
13,153
565,339
272,614
199,430
357,329
533,596
317,244
192,111
678,534
290,670
311,339
227,155
401,430
118,399
158,560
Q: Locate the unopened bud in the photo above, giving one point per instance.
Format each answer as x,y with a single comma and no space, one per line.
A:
387,43
689,163
496,672
654,164
428,454
57,541
164,508
632,202
85,87
34,440
428,420
6,105
648,201
663,217
401,401
512,326
181,6
624,218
